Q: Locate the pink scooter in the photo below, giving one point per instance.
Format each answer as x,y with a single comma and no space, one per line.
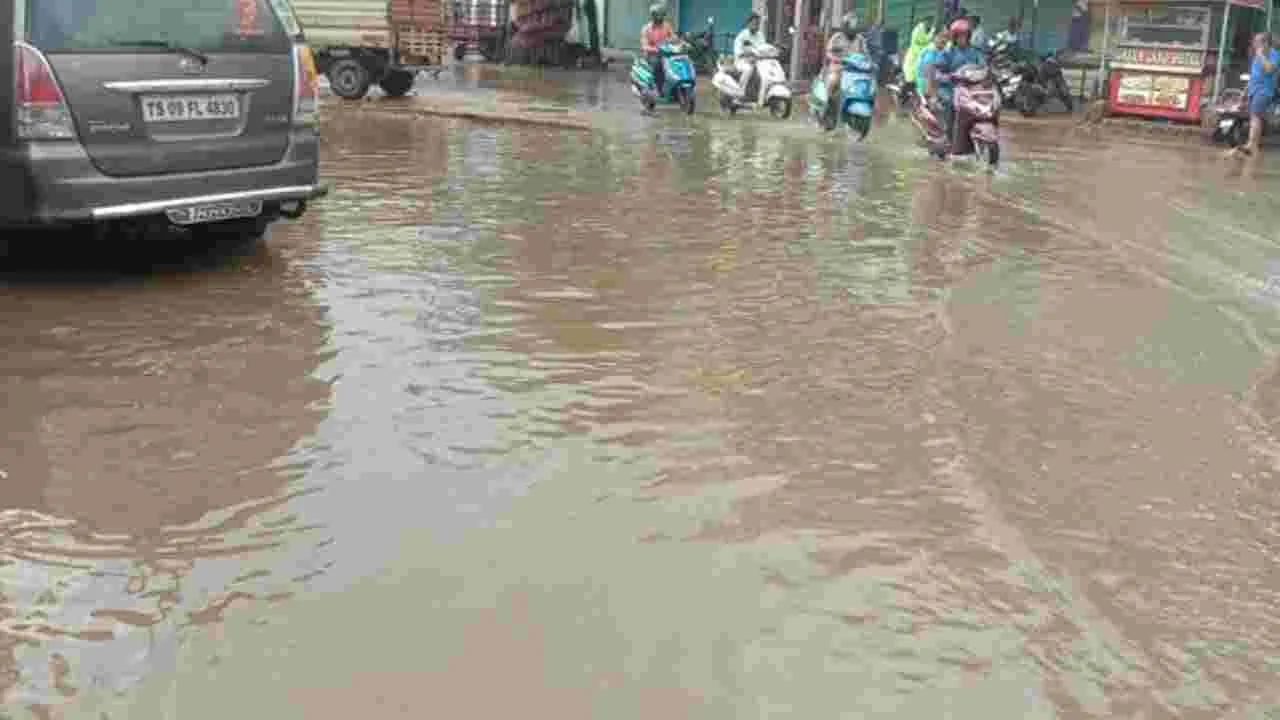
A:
977,109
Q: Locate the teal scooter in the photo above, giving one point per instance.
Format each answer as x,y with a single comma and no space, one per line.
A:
678,85
855,98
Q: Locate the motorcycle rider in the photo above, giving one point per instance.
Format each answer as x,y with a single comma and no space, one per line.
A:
920,38
928,69
751,36
1012,36
852,36
954,58
930,58
980,38
653,34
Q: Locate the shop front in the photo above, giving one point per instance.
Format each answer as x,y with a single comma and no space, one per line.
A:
1169,58
1163,61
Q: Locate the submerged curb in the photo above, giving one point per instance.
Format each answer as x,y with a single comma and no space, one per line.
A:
445,107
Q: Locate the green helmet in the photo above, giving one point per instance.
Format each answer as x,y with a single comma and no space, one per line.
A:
657,11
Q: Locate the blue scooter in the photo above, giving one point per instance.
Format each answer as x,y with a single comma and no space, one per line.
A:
679,78
856,96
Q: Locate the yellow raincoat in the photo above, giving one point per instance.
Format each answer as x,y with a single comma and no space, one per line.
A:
920,38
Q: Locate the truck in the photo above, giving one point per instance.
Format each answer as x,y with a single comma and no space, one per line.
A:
360,43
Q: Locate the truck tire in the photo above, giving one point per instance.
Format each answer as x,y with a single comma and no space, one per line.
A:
397,82
349,79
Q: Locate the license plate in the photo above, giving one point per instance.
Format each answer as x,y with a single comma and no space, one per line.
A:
1225,124
185,108
214,212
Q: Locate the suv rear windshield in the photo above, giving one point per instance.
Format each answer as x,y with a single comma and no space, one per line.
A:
157,25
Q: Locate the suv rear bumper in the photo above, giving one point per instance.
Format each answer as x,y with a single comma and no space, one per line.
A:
156,207
57,183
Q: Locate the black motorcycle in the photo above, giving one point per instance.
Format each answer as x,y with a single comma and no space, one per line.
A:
702,49
1027,82
902,92
1231,117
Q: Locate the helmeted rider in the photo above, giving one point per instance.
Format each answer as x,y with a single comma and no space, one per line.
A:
657,31
848,38
751,37
921,37
959,54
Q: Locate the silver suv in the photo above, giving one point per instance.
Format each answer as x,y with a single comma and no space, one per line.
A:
195,113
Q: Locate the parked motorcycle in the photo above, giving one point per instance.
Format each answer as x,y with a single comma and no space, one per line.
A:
1231,117
702,48
977,111
678,83
1026,83
767,86
855,98
902,92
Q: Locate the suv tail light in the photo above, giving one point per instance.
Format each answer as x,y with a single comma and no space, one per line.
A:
306,108
40,107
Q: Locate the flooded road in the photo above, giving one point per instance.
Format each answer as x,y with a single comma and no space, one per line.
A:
686,418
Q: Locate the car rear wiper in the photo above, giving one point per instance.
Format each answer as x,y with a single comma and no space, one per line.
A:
204,59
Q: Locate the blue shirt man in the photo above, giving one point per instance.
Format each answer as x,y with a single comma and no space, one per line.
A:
932,55
1262,82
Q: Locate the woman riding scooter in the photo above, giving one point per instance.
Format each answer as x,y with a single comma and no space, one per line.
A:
960,53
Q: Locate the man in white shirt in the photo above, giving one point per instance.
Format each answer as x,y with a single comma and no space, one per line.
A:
751,36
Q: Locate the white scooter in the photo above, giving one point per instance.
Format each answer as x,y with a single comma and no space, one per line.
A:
770,83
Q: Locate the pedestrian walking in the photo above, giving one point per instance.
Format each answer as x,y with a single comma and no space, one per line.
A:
1261,90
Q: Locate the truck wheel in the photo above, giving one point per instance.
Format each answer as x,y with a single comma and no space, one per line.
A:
349,79
396,82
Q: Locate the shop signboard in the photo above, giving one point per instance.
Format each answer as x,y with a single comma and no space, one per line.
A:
1160,57
1167,92
1255,4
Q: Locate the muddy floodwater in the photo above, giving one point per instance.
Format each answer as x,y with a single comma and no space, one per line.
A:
699,418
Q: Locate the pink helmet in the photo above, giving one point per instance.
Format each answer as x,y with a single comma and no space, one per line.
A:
959,25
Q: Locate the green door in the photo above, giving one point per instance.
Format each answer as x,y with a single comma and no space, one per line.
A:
623,20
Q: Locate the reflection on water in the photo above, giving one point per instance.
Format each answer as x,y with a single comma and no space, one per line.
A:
143,428
705,419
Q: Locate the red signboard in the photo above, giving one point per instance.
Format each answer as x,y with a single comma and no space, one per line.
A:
1176,97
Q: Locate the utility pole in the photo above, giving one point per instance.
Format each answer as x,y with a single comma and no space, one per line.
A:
797,43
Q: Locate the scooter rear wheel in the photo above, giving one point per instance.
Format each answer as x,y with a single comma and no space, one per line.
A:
988,153
780,107
860,125
684,96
